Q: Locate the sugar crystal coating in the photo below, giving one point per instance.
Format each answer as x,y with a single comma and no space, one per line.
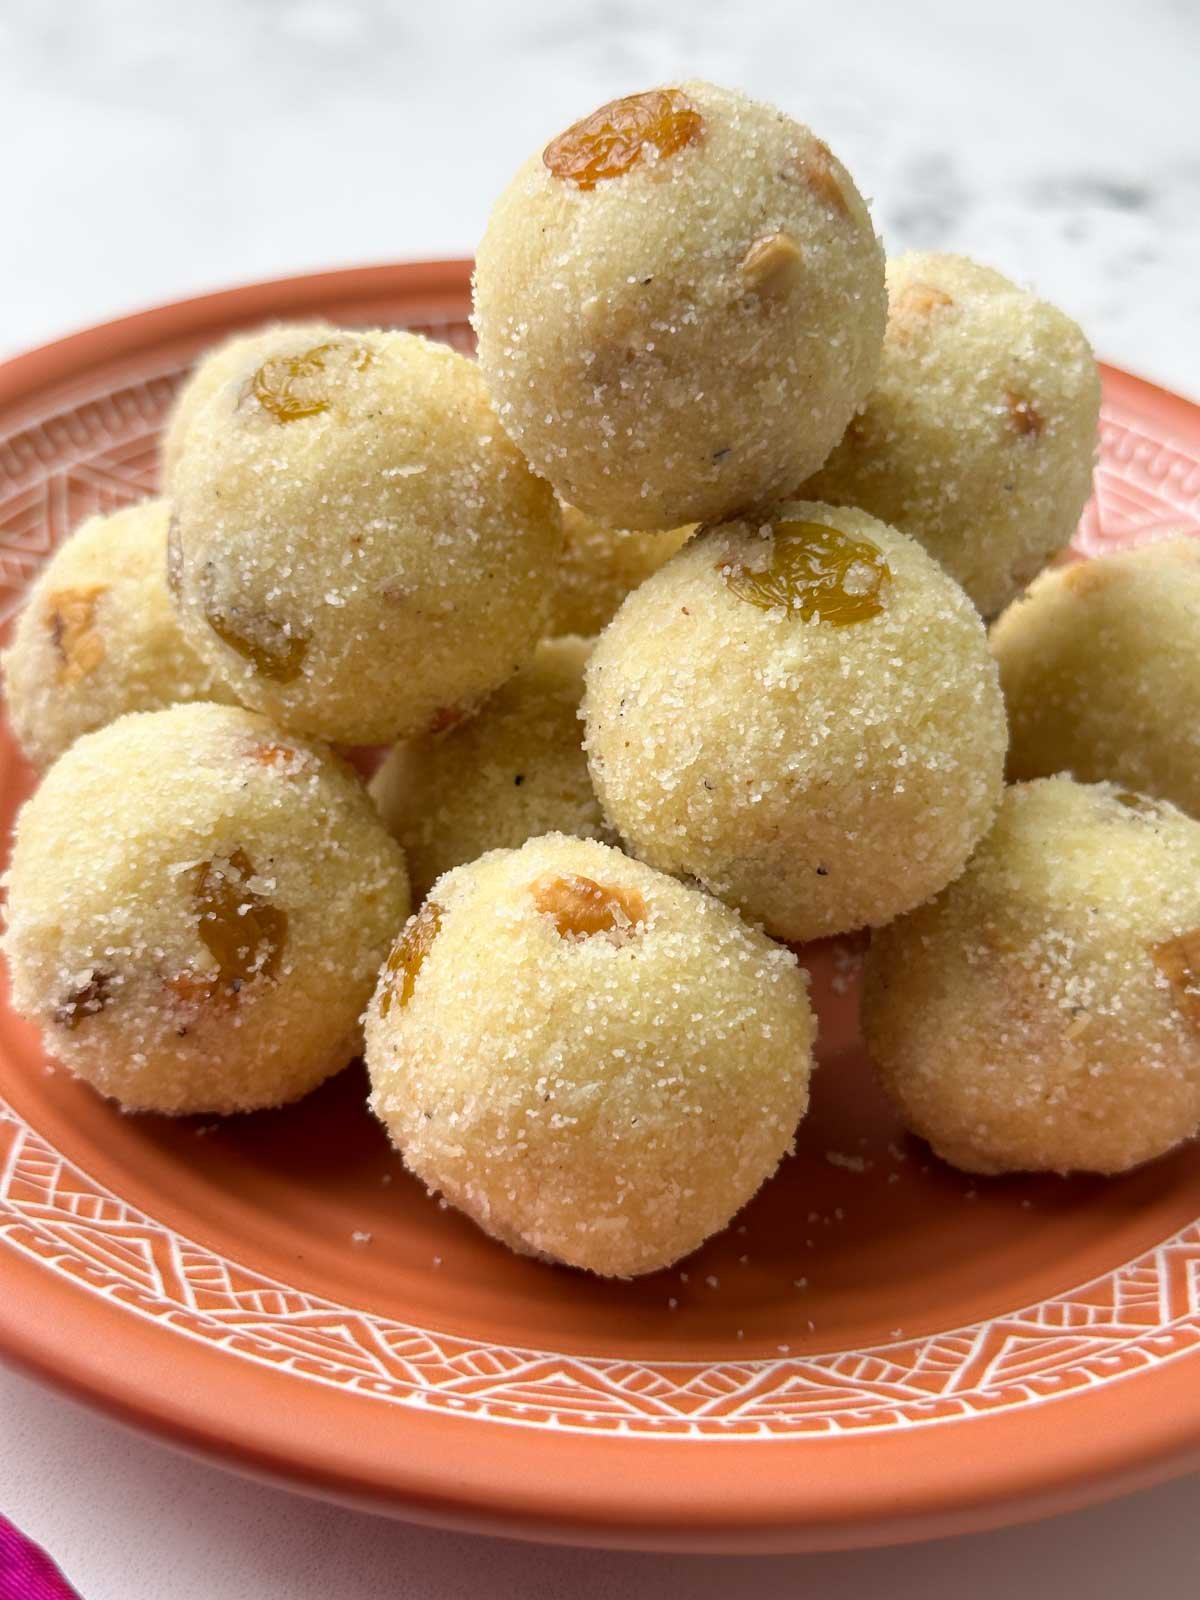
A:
98,636
515,770
356,544
192,926
687,335
979,436
608,1094
799,711
1043,1013
1100,667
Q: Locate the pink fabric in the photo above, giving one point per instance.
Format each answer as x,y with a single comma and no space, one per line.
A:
27,1573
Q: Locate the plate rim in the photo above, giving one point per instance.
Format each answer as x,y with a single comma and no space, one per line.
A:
512,1492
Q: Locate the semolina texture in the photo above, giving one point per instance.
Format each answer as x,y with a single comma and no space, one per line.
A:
1043,1013
597,1063
198,905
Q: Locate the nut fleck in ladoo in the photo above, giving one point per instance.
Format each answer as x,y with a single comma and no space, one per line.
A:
598,1064
800,712
679,302
1100,667
99,636
979,437
197,909
514,771
356,544
1043,1013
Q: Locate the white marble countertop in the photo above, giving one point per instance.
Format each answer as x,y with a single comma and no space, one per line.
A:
157,150
153,151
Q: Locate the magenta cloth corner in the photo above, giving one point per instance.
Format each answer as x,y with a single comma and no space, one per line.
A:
26,1572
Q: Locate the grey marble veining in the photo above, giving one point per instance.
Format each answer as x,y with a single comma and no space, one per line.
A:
156,149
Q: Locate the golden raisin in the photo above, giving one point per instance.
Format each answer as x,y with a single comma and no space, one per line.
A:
274,755
581,907
243,932
273,652
71,617
90,997
408,956
771,264
623,134
1023,414
816,572
291,387
915,304
1179,962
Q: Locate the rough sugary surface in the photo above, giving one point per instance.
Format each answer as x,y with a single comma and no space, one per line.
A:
689,333
99,637
198,905
600,565
232,359
595,1062
980,434
801,713
514,771
1100,667
1043,1013
356,542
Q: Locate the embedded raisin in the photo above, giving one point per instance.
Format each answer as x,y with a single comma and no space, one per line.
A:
623,134
1179,962
815,572
71,618
87,1000
581,907
408,956
243,932
913,307
273,650
1023,414
291,387
274,755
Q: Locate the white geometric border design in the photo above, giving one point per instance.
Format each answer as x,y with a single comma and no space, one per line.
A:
99,452
1123,1322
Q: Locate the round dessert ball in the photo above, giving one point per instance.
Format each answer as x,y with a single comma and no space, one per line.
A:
595,1062
980,434
233,358
1043,1013
801,713
197,908
1100,667
514,771
98,636
679,302
600,565
356,543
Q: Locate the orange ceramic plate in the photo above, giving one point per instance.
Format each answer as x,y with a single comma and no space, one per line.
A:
879,1349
